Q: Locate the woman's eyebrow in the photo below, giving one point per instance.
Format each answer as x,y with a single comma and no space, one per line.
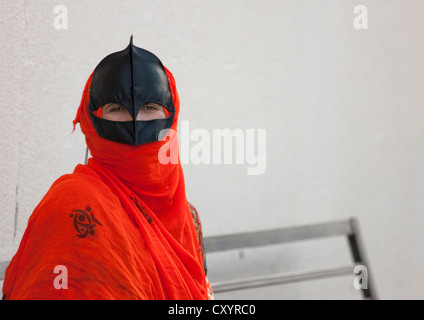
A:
153,104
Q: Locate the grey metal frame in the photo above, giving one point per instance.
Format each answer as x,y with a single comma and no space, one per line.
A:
348,228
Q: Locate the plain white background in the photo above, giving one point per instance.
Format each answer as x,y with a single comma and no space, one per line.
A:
342,108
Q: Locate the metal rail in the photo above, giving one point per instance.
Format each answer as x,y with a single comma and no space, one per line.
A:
348,228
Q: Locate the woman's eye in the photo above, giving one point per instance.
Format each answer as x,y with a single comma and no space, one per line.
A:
117,108
149,107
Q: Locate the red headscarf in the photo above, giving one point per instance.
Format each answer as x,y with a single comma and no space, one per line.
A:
140,242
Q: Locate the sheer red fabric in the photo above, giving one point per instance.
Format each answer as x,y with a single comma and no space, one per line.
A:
120,227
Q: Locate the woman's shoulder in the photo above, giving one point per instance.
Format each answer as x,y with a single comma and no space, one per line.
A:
81,181
71,191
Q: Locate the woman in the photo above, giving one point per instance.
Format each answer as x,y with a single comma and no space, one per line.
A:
119,227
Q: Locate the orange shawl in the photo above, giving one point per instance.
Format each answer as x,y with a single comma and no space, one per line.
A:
120,227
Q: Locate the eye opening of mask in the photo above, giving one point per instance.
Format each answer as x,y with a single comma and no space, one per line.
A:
116,111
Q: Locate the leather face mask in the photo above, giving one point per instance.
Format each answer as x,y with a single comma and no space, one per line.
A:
131,77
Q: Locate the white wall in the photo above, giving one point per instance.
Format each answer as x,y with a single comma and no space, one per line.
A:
342,109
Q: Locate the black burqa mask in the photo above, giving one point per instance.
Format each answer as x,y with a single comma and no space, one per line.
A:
131,77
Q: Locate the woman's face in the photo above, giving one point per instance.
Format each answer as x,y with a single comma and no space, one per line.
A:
117,112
